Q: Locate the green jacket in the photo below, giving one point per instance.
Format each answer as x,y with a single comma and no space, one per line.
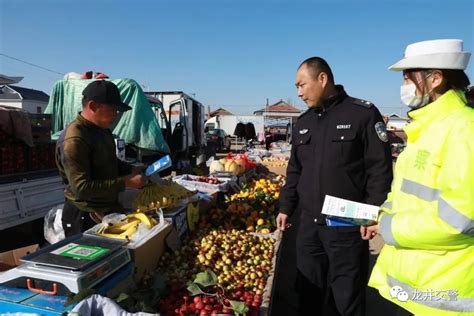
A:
87,162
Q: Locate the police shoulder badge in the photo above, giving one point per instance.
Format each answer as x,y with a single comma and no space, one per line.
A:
381,131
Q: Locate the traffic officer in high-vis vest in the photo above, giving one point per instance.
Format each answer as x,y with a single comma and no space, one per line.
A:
427,221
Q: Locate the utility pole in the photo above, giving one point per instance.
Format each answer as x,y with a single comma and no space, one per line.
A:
265,119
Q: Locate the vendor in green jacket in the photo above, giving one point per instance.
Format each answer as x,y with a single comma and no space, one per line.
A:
87,161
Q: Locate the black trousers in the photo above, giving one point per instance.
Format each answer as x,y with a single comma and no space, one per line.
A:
74,220
403,312
332,274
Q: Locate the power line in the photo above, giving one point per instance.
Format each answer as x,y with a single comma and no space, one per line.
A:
34,65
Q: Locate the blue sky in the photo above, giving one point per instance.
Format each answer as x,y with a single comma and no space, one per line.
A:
233,54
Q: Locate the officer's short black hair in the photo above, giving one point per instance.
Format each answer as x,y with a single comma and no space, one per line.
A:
317,65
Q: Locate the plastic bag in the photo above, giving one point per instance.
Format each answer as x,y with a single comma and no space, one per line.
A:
97,305
53,226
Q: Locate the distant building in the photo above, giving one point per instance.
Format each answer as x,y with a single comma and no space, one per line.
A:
395,121
9,80
281,108
279,114
219,112
33,101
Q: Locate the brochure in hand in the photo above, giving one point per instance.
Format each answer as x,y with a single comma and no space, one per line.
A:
341,212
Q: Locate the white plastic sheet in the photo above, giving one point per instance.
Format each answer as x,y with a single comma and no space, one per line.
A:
97,305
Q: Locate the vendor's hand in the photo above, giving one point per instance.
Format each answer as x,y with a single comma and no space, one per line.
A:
282,222
138,170
369,232
97,217
136,181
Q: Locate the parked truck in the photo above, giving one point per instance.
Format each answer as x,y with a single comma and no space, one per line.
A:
29,182
181,118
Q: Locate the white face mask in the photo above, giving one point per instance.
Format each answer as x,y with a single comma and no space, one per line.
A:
409,97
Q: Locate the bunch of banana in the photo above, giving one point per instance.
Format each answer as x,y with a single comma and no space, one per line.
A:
162,195
126,227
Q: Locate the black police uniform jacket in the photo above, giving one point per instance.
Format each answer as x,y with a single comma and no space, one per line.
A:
340,149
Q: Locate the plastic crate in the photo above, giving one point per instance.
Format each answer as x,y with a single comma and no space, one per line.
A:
189,182
41,120
42,157
13,158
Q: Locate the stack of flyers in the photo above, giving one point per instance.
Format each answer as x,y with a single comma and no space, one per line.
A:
341,212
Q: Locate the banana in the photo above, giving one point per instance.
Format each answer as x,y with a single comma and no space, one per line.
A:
129,232
120,227
165,194
143,218
125,234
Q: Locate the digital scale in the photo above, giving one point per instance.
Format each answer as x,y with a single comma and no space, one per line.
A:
69,266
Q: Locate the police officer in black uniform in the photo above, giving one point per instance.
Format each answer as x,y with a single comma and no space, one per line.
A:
340,148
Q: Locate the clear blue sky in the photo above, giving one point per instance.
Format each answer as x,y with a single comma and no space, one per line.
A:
233,54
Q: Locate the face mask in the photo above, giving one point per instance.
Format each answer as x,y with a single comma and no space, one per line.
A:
409,97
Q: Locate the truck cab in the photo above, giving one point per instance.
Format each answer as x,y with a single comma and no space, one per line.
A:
181,118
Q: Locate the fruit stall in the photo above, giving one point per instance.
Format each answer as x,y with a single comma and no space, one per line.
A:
226,262
192,245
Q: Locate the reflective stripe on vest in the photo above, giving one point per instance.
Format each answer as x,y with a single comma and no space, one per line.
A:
386,230
387,205
446,212
454,303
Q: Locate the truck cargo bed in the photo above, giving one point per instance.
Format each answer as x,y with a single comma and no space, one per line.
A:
28,196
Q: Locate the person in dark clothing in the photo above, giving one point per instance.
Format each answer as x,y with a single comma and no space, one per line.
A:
87,163
339,148
268,139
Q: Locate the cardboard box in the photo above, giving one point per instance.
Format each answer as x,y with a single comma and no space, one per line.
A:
146,255
280,170
12,258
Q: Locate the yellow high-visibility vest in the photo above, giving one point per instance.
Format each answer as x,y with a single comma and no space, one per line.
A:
427,264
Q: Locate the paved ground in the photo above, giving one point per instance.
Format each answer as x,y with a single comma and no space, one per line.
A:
284,302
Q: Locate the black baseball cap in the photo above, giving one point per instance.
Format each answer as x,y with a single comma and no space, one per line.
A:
104,91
